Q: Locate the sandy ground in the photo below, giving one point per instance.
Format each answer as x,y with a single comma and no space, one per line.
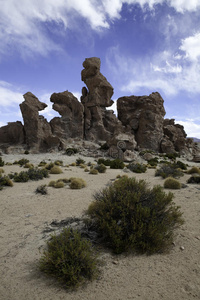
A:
24,215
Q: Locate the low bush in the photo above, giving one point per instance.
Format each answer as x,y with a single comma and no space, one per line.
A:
21,177
55,170
59,184
105,162
71,151
26,152
137,168
129,216
31,174
42,189
117,164
80,161
181,165
42,164
101,168
153,162
49,166
52,183
172,155
1,162
86,169
172,183
5,181
94,171
104,147
194,170
28,166
21,162
1,171
77,183
70,258
194,179
73,164
58,163
169,170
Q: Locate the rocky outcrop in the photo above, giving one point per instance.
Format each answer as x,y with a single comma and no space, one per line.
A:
144,116
38,134
12,134
174,137
71,122
99,123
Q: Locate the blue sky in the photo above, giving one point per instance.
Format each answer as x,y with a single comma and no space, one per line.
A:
144,46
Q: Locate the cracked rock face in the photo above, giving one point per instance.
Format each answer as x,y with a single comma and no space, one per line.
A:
71,122
38,132
144,116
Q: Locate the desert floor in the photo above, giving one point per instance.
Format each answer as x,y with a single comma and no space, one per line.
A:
24,215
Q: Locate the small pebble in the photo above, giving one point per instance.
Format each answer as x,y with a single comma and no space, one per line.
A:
182,248
115,262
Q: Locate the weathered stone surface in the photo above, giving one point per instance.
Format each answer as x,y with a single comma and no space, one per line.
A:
144,116
176,135
99,123
37,129
12,134
70,124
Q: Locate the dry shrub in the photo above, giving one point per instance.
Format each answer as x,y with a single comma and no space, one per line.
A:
77,183
172,183
93,171
194,170
55,170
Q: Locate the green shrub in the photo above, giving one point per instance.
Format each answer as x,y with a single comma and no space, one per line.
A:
52,183
194,170
101,168
153,162
194,179
5,181
21,162
26,152
172,155
169,170
71,151
117,164
21,177
129,216
55,170
104,147
77,183
94,171
137,168
70,258
42,189
80,161
1,162
181,165
1,171
172,183
105,162
42,164
49,166
37,174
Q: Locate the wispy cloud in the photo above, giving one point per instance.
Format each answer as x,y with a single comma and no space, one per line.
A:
26,24
191,127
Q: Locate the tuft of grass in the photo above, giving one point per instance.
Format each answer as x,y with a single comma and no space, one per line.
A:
172,183
28,166
77,183
128,216
80,161
94,171
194,170
169,170
58,163
52,183
69,258
59,184
5,181
73,164
55,170
101,168
21,162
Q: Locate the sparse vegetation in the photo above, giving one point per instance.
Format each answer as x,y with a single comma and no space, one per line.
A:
21,162
153,162
194,170
5,181
71,151
104,147
31,174
169,170
42,189
80,161
77,183
94,171
172,183
129,216
26,152
70,258
58,163
137,168
194,179
101,168
1,162
28,166
55,170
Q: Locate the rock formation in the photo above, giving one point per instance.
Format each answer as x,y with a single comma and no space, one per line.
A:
38,134
140,123
144,115
71,110
99,123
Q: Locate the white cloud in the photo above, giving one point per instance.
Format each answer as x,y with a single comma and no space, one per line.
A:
191,127
9,94
25,24
191,46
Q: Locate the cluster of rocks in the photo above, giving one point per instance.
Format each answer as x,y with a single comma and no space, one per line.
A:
140,123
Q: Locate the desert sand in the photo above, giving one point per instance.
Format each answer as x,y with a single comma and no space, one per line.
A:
24,215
